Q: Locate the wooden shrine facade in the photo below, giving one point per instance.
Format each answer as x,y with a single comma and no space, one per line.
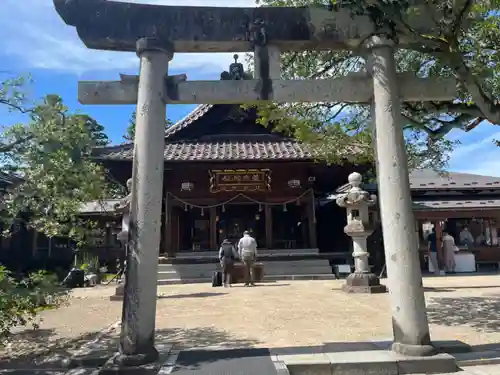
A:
225,174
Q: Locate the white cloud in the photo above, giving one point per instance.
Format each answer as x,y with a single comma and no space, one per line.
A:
480,157
33,35
475,149
485,168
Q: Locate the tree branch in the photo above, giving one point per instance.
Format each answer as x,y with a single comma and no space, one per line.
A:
489,108
455,28
10,146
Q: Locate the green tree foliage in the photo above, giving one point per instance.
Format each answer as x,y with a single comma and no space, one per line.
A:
130,132
20,301
49,153
464,45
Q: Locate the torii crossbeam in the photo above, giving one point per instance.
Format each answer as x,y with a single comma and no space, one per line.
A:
354,88
116,26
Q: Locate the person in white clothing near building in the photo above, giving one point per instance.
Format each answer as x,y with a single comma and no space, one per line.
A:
449,249
247,251
466,237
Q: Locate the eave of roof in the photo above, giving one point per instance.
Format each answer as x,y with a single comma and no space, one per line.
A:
191,117
430,180
456,204
224,151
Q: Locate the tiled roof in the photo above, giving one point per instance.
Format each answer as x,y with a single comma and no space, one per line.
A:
197,113
219,146
224,150
456,204
428,179
191,117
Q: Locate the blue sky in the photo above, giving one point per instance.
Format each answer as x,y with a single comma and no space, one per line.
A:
34,40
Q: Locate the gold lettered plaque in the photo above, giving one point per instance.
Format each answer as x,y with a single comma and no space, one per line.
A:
240,180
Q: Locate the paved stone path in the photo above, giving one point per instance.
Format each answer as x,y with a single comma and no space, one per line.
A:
282,314
477,370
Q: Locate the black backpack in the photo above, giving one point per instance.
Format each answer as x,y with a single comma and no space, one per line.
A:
227,251
217,279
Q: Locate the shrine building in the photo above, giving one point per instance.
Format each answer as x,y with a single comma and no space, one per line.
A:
225,173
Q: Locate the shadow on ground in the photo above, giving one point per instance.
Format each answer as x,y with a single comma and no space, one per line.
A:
41,349
202,337
480,313
455,288
190,295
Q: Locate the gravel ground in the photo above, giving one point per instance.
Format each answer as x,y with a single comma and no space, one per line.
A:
282,314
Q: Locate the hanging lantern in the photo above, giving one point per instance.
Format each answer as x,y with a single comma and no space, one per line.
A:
202,212
260,207
284,207
257,217
187,186
223,208
185,207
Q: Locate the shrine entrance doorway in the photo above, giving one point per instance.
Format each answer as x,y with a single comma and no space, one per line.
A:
237,218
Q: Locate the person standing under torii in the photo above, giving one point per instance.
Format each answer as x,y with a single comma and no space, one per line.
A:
247,251
227,255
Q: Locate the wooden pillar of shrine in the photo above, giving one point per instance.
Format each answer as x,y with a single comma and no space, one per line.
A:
268,218
438,226
311,221
168,245
213,228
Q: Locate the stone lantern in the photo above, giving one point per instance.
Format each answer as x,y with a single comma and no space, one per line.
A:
359,228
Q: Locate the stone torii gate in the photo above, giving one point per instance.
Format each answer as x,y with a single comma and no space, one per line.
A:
155,32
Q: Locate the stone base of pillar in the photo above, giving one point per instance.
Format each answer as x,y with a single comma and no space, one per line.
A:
136,360
363,283
119,292
140,364
414,350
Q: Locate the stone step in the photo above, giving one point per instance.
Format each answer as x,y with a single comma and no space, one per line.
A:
175,281
491,357
321,276
267,271
367,362
184,281
262,252
184,275
310,269
287,264
315,269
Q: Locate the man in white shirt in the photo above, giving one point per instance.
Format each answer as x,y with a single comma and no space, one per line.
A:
247,251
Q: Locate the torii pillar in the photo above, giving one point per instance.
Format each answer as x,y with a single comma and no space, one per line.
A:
139,301
409,316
